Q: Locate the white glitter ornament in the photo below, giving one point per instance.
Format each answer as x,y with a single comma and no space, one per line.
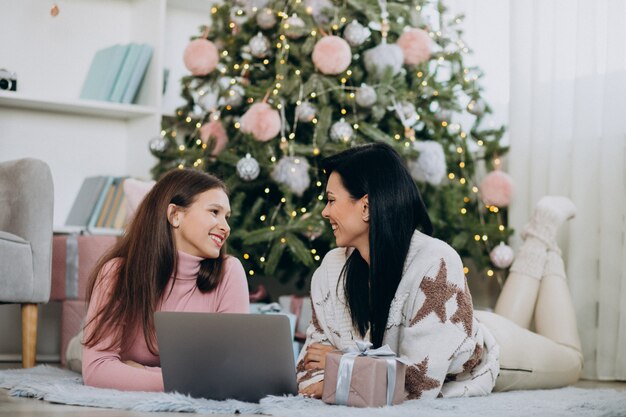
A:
266,19
293,171
476,107
239,16
430,166
248,168
407,113
294,27
321,10
306,111
158,144
341,131
383,56
356,34
234,96
365,96
259,46
502,256
206,99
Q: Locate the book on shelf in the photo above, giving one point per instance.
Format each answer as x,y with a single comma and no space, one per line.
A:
138,74
124,76
103,72
86,201
97,207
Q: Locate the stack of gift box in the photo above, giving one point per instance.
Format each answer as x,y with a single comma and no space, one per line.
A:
73,258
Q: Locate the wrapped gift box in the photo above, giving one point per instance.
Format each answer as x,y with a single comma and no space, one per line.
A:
368,384
73,258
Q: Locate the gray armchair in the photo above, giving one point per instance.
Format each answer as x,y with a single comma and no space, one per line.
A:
26,206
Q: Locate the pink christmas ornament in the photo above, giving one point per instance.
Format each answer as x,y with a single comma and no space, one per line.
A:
201,56
415,44
262,121
496,189
331,55
215,131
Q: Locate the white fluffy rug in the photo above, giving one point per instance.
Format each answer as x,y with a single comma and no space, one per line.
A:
65,387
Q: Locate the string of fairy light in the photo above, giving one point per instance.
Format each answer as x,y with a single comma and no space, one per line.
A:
347,110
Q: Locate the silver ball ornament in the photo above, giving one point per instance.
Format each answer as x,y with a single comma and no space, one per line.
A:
293,171
158,144
259,46
321,10
306,111
383,56
294,27
234,96
248,168
365,96
341,132
356,34
266,18
502,256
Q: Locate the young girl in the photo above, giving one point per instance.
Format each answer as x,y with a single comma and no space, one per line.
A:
172,258
392,284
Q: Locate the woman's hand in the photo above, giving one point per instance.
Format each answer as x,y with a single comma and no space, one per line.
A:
314,390
315,357
134,364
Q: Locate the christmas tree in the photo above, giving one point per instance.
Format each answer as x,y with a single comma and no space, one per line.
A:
277,85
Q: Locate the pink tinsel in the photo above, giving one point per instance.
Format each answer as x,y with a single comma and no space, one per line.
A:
216,132
201,56
262,121
496,189
415,44
331,55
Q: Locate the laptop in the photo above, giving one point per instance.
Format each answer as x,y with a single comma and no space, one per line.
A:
220,356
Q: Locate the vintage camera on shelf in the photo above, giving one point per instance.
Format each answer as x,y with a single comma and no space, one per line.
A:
8,80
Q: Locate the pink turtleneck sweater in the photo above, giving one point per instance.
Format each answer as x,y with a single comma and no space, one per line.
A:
105,368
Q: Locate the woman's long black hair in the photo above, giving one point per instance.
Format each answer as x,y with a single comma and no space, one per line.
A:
396,210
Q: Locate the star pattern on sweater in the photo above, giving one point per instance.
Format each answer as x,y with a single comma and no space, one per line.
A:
417,380
465,310
437,291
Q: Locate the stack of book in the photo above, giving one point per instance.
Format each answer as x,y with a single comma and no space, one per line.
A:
100,206
116,73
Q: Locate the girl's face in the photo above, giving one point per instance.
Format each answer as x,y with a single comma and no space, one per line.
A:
202,228
348,217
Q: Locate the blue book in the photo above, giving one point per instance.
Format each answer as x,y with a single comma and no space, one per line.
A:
93,219
86,200
123,78
97,72
138,74
103,72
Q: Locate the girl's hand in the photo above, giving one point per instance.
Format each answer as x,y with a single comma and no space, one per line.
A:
315,357
314,390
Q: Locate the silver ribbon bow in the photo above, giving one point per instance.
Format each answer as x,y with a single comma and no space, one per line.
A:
346,365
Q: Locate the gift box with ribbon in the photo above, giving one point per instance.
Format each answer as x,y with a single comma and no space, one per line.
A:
364,377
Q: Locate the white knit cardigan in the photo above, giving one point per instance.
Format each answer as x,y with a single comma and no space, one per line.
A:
431,323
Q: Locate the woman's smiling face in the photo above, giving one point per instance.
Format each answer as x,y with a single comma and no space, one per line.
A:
348,217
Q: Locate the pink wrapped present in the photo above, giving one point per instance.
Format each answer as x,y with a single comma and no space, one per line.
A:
364,377
73,258
72,315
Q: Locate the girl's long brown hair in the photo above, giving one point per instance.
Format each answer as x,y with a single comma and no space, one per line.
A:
147,258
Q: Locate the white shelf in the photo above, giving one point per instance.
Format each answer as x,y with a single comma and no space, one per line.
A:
75,107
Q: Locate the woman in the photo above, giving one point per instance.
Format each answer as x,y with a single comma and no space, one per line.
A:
172,258
392,284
